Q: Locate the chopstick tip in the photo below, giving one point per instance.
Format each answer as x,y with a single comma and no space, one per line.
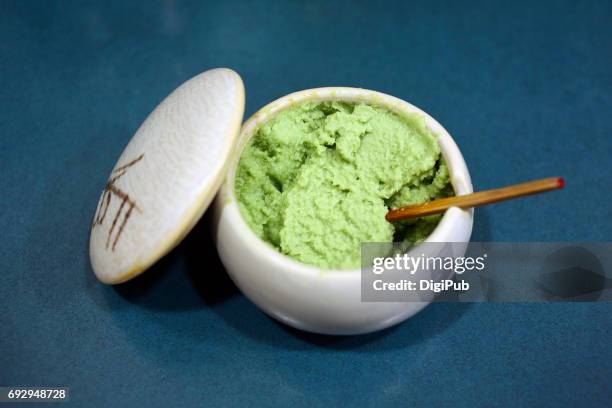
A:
560,182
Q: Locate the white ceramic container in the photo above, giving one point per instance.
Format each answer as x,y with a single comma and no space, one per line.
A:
310,298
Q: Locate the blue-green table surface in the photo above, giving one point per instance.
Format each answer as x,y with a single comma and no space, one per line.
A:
525,88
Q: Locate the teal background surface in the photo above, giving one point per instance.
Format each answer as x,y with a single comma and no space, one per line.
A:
524,87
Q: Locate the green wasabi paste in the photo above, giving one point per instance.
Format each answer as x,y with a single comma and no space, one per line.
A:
317,180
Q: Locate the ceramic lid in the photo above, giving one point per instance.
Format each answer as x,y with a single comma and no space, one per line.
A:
167,175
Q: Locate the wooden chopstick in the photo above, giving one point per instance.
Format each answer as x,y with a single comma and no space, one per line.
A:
475,199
